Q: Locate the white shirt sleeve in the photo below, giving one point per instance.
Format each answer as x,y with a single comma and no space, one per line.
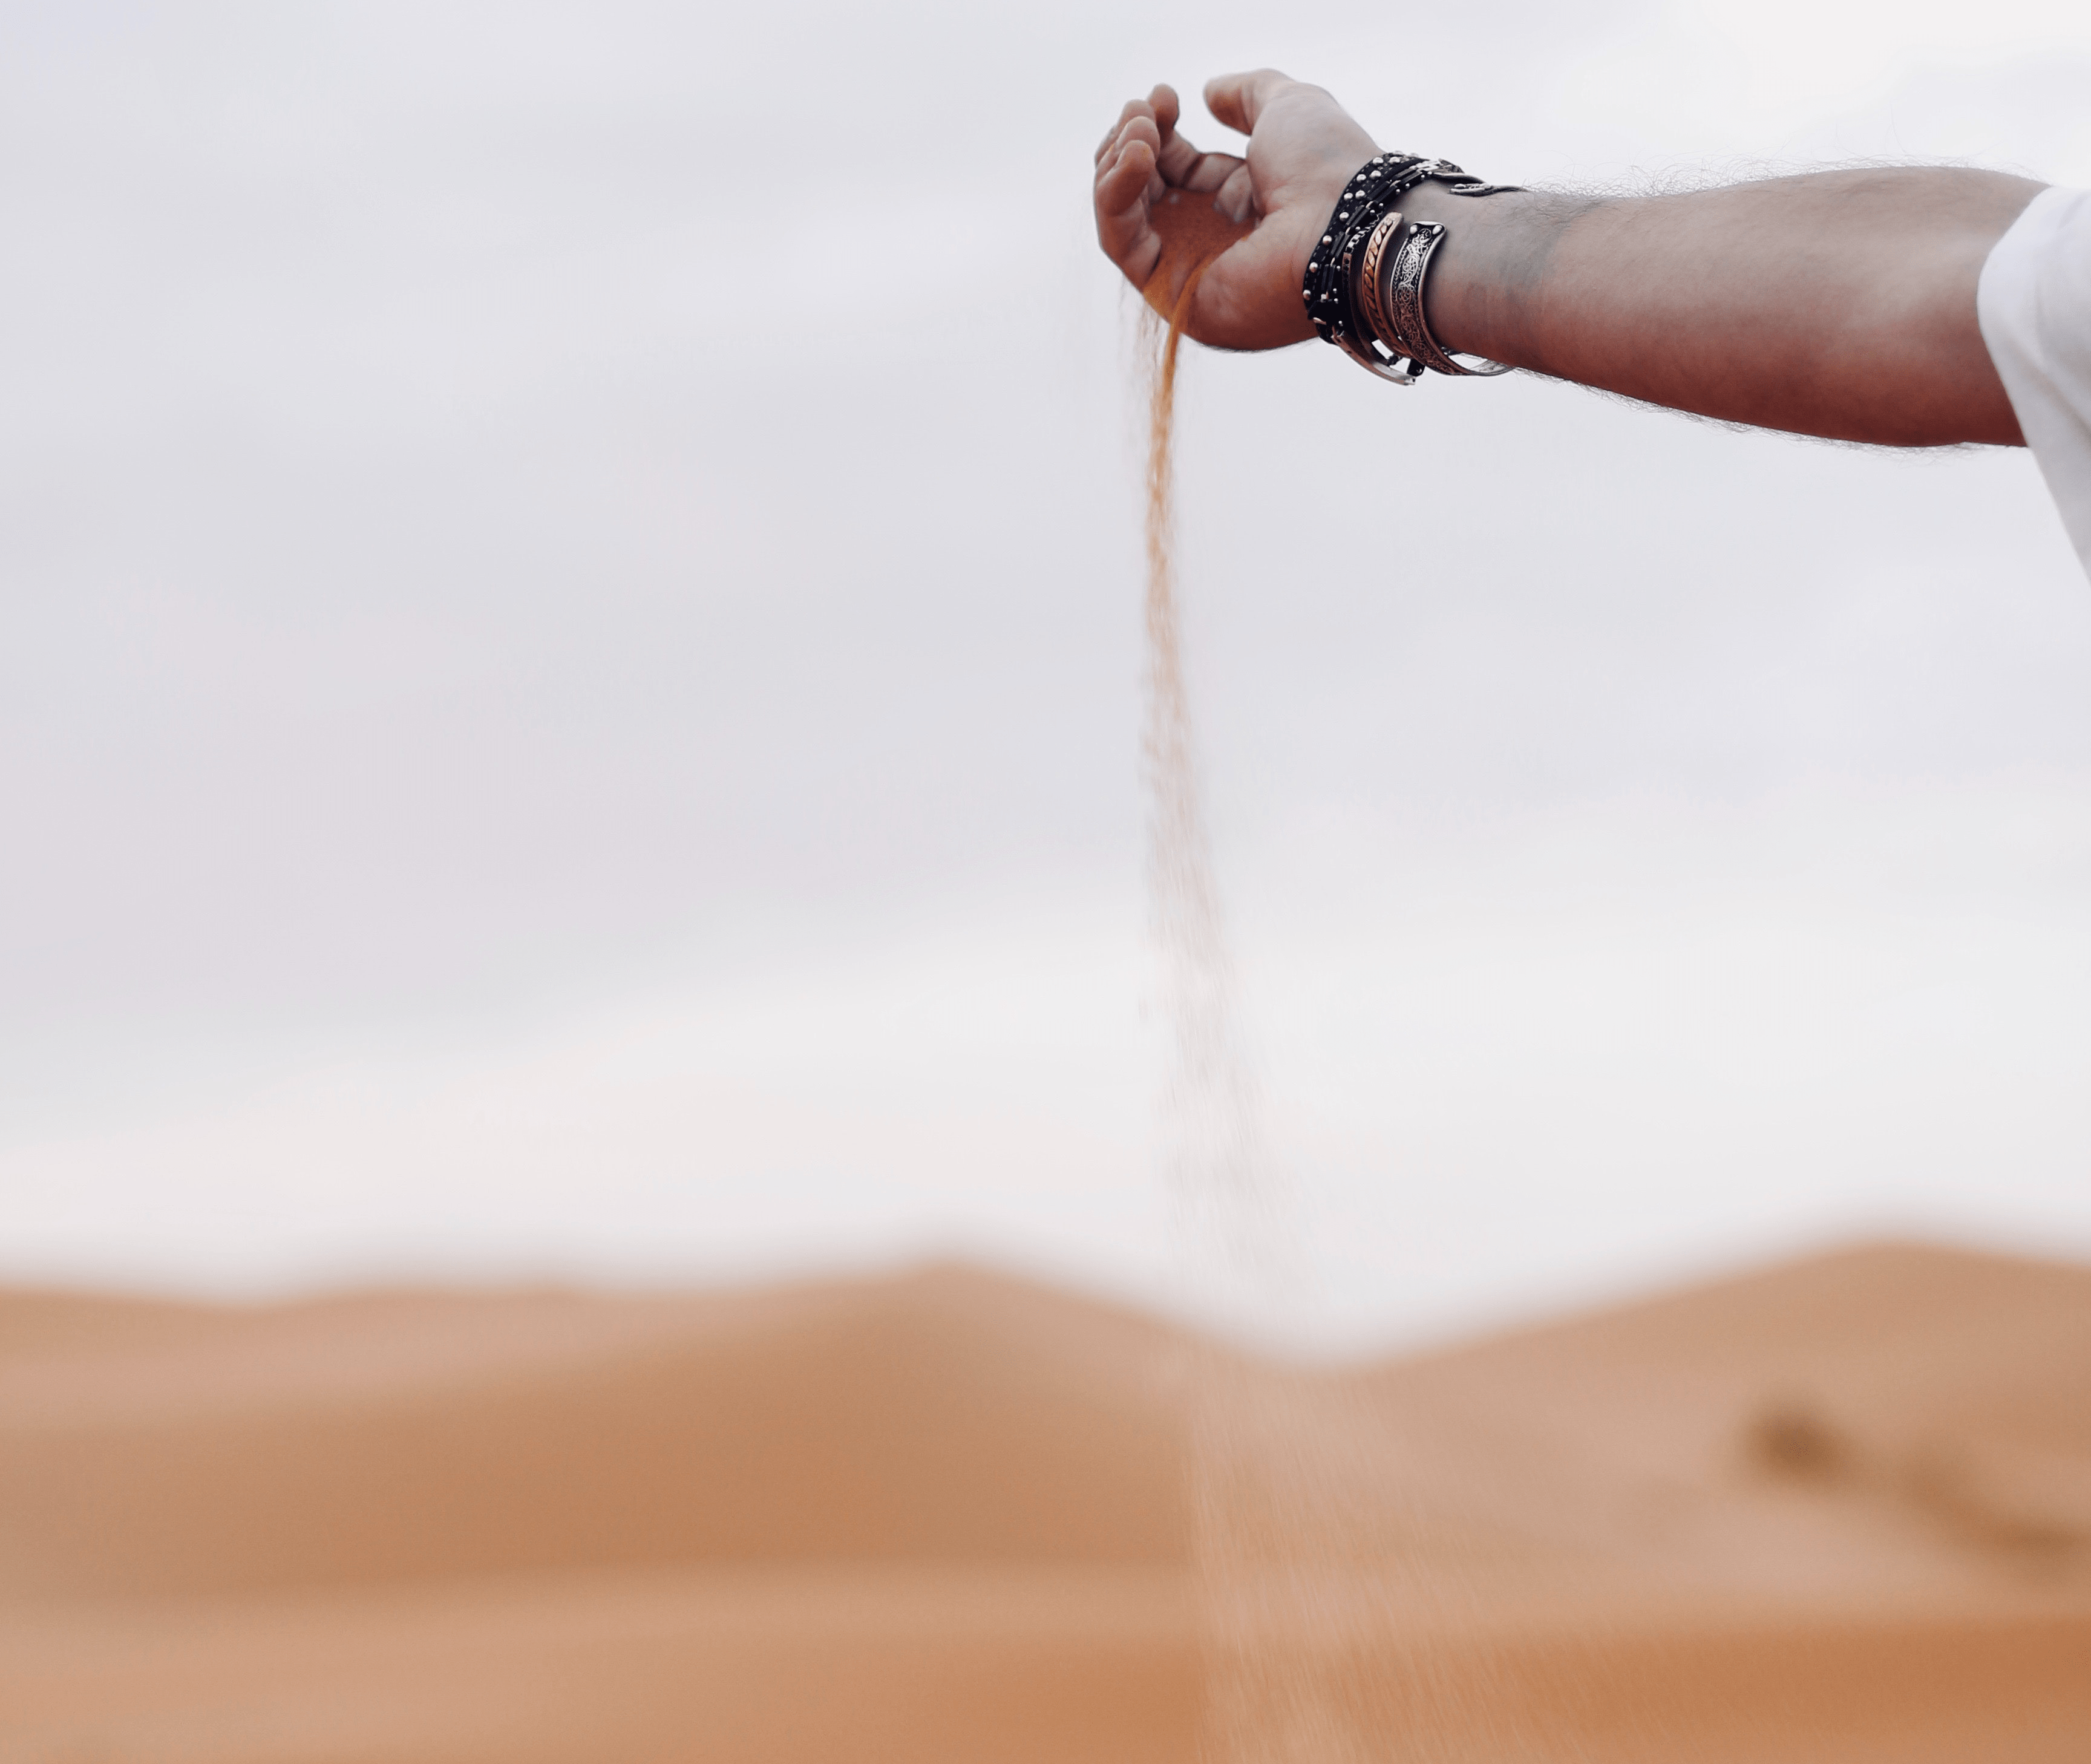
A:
2034,305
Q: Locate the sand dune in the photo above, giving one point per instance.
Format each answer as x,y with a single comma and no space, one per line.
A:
1838,1510
1861,1424
941,1417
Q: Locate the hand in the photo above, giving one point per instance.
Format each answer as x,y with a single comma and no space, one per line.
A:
1303,148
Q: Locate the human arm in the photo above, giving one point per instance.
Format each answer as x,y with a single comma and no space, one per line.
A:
1840,303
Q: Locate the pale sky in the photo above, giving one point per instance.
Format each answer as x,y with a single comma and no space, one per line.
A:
569,704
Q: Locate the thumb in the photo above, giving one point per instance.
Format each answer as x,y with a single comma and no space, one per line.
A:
1237,99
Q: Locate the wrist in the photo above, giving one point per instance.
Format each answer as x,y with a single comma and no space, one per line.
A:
1462,300
1318,207
1490,273
1366,278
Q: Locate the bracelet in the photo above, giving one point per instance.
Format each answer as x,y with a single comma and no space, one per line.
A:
1391,294
1402,303
1399,365
1332,292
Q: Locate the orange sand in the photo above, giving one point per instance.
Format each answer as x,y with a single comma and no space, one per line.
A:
1193,233
1840,1511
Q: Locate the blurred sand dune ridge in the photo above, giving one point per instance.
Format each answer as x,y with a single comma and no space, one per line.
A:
944,1515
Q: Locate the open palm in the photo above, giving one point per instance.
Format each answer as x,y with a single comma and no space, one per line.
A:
1303,148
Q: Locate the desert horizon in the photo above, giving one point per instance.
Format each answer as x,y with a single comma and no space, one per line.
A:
1835,1508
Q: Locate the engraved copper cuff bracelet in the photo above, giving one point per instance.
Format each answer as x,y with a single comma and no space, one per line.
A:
1390,278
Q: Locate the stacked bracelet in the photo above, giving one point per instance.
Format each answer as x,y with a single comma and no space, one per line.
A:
1363,291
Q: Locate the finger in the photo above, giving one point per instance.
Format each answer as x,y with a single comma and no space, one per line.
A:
1138,128
1184,166
1166,108
1161,106
1237,99
1175,156
1124,228
1188,168
1144,130
1133,107
1122,178
1180,164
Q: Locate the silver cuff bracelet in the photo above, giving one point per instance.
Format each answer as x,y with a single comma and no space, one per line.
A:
1402,300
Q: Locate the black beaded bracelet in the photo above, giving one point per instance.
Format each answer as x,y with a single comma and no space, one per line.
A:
1328,291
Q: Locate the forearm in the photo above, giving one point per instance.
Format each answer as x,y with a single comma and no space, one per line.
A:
1838,303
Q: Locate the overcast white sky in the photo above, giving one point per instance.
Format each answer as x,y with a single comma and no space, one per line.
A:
568,698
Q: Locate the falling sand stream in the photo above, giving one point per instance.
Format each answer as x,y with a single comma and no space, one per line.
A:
1293,1583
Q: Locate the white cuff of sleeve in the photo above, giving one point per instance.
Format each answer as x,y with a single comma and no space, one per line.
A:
2033,303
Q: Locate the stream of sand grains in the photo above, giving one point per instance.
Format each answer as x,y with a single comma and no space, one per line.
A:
1285,1603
